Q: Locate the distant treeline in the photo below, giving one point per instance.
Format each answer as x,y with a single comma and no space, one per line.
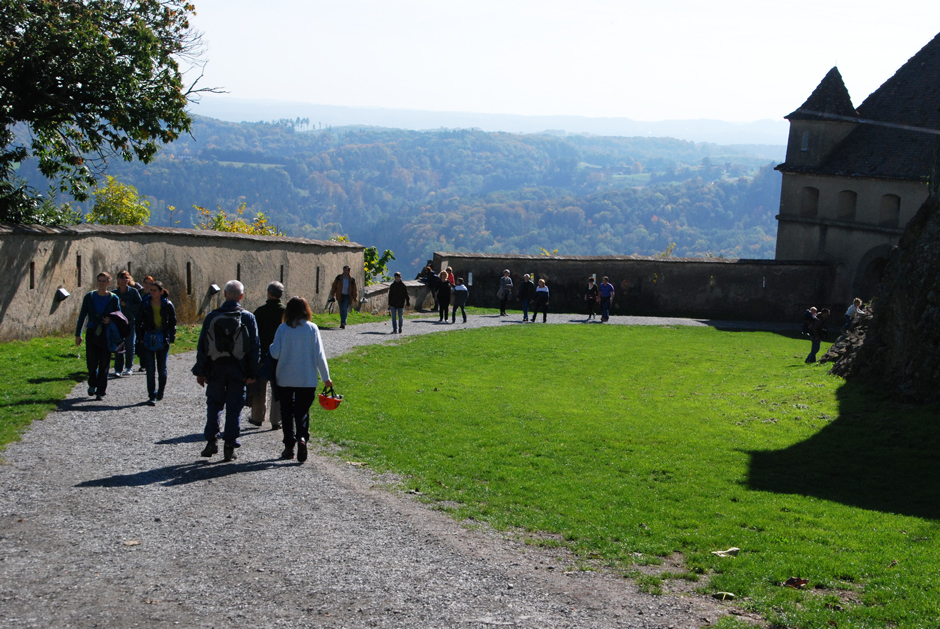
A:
466,190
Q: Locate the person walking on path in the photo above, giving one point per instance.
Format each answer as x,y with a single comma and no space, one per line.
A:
156,331
505,292
607,297
460,297
397,300
226,360
526,295
96,306
130,301
592,297
541,302
269,318
298,349
344,291
817,331
443,296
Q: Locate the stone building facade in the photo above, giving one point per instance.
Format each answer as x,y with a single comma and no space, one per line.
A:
36,262
854,177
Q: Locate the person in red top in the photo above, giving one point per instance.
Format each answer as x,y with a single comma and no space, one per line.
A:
450,277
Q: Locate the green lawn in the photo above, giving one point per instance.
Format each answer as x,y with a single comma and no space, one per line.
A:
631,443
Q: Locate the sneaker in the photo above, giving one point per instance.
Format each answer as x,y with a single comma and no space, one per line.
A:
128,372
159,395
151,402
210,449
302,450
142,368
229,452
91,391
99,398
342,326
288,453
116,374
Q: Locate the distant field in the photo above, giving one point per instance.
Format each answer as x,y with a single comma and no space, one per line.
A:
632,444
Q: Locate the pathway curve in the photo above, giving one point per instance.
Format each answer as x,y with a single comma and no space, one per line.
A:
111,519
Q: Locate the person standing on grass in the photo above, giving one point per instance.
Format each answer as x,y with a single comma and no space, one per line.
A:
344,291
460,297
131,302
156,331
541,302
592,297
443,296
526,295
226,360
96,306
607,297
816,333
269,318
504,292
298,348
397,300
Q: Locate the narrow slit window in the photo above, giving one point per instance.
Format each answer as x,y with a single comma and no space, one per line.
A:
32,275
804,144
78,269
317,285
238,272
189,278
282,274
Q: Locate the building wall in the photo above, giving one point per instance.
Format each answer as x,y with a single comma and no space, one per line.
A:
758,290
852,245
36,261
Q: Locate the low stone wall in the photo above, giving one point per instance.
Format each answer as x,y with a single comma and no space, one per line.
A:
706,288
377,297
36,261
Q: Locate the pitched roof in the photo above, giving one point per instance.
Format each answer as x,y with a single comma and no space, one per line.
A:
911,97
829,97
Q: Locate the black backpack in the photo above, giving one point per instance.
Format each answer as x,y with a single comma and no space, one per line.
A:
227,336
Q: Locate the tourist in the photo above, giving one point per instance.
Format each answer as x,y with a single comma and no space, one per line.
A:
156,330
450,276
541,302
298,349
130,301
505,292
344,291
526,295
269,318
592,298
428,277
443,296
397,300
855,308
226,360
607,297
96,306
143,287
809,318
817,333
460,297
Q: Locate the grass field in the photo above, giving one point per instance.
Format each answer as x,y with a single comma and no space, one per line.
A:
631,444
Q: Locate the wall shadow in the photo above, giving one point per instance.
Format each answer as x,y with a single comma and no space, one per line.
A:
877,454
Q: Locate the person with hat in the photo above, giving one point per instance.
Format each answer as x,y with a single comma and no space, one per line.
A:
344,291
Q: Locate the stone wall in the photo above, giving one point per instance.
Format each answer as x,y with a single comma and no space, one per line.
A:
708,288
36,261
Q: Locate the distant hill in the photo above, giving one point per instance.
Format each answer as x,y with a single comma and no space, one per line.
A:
468,190
769,132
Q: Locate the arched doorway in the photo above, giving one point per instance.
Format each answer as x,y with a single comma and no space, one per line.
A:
870,271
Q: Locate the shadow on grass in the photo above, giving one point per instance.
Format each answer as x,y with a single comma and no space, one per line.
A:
877,454
75,376
183,474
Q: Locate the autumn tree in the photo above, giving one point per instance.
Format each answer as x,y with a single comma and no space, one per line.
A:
119,204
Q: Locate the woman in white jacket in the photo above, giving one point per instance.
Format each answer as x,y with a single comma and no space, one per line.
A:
298,349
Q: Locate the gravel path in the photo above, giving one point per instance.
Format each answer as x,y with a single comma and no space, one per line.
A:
111,519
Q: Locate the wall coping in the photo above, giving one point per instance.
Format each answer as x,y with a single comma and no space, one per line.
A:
86,229
669,260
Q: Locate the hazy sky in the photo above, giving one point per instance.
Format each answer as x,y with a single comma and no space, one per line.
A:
653,60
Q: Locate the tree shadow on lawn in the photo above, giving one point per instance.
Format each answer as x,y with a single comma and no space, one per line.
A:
184,474
877,454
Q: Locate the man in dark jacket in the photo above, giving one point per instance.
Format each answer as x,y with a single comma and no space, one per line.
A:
816,333
397,300
226,360
526,295
269,318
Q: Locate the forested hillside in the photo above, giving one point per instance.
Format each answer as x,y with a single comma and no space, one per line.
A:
417,192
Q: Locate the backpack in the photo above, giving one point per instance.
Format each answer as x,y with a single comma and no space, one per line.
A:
227,336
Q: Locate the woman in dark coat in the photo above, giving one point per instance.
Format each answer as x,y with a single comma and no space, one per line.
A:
592,297
443,296
156,330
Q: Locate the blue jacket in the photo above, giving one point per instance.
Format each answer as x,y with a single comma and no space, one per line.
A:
88,310
132,303
249,364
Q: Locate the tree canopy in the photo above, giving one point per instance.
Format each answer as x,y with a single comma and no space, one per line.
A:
83,81
119,204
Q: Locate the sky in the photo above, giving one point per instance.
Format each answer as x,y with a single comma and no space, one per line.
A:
727,60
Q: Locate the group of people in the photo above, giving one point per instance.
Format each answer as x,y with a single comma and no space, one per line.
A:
240,355
536,297
447,289
816,325
134,319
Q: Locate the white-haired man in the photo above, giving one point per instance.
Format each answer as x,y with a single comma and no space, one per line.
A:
226,360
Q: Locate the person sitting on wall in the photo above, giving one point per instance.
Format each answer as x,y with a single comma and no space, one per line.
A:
344,291
96,305
854,309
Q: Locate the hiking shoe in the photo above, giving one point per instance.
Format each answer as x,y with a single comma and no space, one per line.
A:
302,450
229,452
211,448
288,453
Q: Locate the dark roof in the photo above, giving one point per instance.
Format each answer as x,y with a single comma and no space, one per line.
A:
829,97
911,97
